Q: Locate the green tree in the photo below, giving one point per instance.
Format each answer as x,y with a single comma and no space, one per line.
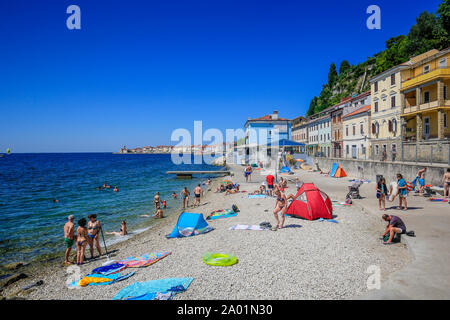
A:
332,75
444,15
312,107
344,67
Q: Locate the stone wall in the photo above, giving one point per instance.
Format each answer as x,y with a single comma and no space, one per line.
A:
389,170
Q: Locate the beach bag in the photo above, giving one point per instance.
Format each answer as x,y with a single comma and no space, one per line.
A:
397,238
235,208
410,233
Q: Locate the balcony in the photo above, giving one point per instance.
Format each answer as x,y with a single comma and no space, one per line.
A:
422,107
425,77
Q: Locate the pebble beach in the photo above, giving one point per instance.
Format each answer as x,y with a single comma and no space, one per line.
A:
304,260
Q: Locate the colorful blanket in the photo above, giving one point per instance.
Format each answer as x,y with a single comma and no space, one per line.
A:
220,214
98,279
247,227
256,196
149,290
144,260
106,270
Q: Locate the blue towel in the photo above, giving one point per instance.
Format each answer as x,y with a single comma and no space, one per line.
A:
138,289
105,270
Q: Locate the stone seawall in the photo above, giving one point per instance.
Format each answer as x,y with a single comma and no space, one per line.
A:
371,168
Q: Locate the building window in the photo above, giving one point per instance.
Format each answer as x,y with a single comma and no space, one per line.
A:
392,79
376,150
361,129
445,120
347,149
354,130
346,131
426,97
375,86
442,63
393,102
445,92
426,69
363,149
376,106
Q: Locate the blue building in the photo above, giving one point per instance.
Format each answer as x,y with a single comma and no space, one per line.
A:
267,129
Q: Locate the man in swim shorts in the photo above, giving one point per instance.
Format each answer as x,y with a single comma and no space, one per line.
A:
395,225
248,173
68,237
198,191
446,182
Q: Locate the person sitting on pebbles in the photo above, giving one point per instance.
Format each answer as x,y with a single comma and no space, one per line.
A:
123,230
395,225
159,214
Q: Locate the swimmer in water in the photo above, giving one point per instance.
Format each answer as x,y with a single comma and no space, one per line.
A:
105,186
116,189
174,195
55,200
159,214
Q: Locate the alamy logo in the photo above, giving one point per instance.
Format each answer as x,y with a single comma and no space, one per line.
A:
74,273
374,20
74,20
374,280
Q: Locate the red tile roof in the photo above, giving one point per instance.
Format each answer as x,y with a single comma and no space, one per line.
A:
268,118
357,111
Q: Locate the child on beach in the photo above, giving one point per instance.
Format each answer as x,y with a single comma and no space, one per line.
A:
381,193
174,195
402,191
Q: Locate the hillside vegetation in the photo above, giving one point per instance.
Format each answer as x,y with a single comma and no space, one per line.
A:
431,31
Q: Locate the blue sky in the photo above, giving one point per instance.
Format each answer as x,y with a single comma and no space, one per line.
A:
137,70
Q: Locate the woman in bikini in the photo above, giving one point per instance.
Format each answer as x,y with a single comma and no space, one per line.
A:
82,236
185,197
93,232
280,206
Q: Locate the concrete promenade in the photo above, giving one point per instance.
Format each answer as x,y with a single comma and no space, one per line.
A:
428,275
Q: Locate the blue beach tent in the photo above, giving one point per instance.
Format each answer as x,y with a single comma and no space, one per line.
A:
189,224
334,169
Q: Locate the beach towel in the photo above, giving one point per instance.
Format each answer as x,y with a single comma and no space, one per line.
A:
247,227
149,289
329,220
106,270
256,196
97,279
220,214
144,260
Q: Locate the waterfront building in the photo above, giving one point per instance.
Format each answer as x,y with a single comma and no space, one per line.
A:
425,106
300,132
324,134
313,135
356,127
385,113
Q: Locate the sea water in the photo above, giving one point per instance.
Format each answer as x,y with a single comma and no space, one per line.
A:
31,224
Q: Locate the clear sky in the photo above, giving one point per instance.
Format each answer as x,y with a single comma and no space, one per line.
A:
137,70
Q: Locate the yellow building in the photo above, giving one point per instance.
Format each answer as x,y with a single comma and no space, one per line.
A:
385,113
426,103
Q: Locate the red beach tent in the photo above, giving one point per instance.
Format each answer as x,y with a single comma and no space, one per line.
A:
310,203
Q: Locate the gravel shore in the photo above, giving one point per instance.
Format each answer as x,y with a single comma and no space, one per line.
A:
306,260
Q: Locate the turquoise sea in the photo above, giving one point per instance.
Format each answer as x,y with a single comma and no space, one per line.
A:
31,224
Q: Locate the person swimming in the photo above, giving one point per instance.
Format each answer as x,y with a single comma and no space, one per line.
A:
116,189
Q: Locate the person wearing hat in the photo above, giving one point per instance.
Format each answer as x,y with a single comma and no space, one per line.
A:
68,237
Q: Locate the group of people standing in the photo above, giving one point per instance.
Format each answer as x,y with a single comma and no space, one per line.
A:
87,233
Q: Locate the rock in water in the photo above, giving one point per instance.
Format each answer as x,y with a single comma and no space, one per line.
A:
11,279
13,266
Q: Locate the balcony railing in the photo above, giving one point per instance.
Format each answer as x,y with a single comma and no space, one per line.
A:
424,77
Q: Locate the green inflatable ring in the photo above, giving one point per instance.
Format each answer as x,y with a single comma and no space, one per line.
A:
219,259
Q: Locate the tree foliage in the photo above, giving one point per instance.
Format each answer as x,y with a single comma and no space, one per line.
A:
431,31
